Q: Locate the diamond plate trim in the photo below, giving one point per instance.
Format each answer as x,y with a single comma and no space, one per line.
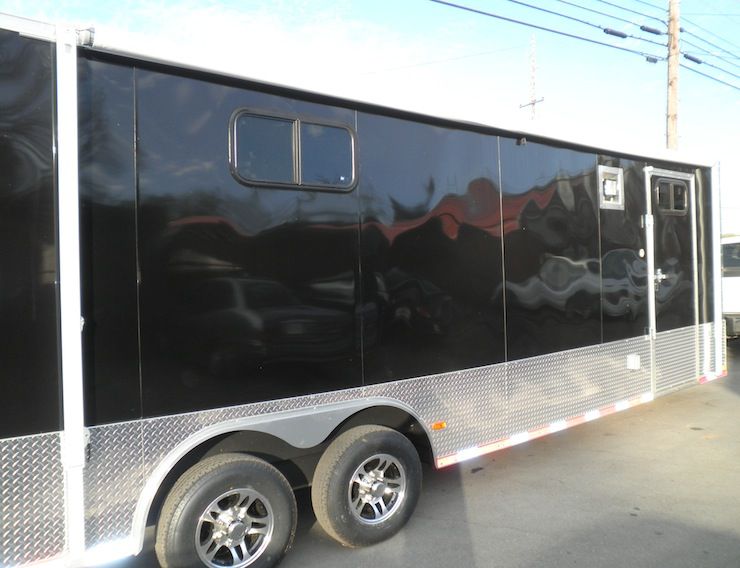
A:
479,405
114,478
32,511
676,358
560,386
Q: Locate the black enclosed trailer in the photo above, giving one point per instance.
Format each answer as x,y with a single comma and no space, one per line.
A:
215,291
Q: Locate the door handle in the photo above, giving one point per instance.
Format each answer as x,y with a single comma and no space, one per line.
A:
659,277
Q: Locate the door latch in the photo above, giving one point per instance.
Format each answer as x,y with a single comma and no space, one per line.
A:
659,277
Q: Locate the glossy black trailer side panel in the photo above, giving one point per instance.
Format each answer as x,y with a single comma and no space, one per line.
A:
624,288
108,241
30,401
247,293
431,249
551,248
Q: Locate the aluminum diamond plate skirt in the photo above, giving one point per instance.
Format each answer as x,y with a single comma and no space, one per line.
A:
676,358
479,405
32,515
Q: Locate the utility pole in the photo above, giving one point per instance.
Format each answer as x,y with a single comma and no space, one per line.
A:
674,28
533,100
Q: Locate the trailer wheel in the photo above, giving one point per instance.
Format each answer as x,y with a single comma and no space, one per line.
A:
366,485
230,510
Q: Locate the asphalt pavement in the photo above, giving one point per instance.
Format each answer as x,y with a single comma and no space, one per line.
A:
653,486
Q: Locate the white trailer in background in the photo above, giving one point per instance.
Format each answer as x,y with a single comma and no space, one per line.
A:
731,284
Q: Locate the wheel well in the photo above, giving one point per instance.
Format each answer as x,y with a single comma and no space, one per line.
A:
296,464
289,460
394,418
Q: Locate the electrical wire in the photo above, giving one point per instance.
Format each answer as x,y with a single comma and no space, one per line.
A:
701,62
632,11
598,12
581,38
705,51
661,8
707,41
543,28
710,77
580,21
693,23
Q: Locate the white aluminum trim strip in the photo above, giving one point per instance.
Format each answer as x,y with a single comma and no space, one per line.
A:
695,263
27,27
719,327
650,258
73,438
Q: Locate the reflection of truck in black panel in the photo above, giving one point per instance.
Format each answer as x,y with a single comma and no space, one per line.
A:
216,291
230,323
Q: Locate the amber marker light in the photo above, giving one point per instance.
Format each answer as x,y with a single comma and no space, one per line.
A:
439,425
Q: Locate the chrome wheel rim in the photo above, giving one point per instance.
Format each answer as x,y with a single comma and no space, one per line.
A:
235,529
377,488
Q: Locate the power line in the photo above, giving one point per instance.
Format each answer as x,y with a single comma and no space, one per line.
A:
632,11
585,22
661,8
711,33
712,54
707,41
551,30
710,77
705,51
688,21
701,62
599,12
578,37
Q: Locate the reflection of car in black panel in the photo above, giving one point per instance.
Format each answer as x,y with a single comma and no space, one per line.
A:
417,303
232,324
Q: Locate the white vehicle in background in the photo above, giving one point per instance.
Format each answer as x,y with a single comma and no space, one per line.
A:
731,284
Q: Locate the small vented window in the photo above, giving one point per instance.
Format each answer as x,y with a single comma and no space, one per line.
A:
672,197
289,152
611,187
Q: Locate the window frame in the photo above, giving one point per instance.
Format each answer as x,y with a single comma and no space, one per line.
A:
671,209
297,120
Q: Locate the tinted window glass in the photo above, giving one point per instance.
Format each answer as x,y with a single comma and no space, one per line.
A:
679,197
264,149
731,255
664,195
326,155
672,197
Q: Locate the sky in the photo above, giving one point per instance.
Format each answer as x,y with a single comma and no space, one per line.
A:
433,58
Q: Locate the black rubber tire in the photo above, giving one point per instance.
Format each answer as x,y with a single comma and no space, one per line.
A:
329,492
204,482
